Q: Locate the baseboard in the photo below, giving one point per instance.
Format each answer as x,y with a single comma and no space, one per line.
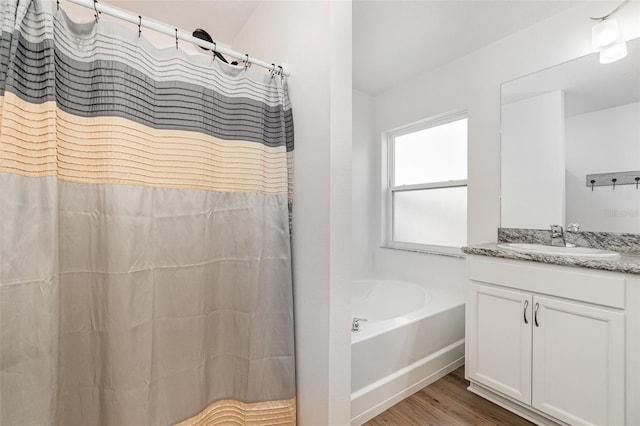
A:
372,400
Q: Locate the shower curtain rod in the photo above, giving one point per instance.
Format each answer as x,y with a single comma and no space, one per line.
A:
177,33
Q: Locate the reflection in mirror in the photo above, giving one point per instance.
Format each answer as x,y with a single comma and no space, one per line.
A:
561,124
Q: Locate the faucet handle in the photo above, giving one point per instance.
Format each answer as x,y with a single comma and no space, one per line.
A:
573,227
556,229
557,236
355,324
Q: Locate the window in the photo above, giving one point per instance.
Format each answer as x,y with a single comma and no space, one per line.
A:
426,202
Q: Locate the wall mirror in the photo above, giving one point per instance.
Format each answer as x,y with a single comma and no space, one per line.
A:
562,128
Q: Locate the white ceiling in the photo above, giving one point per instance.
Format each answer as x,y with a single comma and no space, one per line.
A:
396,40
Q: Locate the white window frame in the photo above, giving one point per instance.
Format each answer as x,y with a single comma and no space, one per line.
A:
389,187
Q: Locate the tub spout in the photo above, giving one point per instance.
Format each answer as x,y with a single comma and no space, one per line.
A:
355,324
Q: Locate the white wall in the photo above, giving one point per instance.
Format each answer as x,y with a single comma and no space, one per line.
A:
314,39
533,134
338,392
473,83
603,141
364,169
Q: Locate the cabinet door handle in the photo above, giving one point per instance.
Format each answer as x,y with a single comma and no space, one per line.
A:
526,305
535,315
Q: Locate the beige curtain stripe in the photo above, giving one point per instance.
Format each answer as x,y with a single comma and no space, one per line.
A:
106,127
117,150
230,412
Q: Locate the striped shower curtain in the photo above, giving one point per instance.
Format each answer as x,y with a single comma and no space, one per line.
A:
145,264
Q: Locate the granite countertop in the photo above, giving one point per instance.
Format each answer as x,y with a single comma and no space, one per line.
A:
625,244
629,263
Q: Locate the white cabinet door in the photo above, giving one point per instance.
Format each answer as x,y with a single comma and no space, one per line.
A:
578,362
499,340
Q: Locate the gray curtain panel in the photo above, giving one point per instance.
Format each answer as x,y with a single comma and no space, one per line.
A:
145,260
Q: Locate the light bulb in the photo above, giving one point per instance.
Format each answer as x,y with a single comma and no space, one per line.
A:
604,34
613,53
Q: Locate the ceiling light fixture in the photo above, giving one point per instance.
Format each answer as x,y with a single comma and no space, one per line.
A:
605,38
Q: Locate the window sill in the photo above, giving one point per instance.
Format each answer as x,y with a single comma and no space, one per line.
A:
425,249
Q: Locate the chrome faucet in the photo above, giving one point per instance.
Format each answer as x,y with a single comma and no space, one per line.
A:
355,324
557,236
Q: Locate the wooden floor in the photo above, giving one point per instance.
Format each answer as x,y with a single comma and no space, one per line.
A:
446,402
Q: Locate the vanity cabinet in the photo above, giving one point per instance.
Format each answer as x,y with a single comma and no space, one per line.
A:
578,362
546,341
499,340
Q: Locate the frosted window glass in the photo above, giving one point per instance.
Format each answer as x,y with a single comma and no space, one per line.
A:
431,216
435,154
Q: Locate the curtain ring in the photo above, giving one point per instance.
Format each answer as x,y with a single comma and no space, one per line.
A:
139,25
95,8
176,39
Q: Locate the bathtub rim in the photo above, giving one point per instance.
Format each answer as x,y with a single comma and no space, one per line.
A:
439,300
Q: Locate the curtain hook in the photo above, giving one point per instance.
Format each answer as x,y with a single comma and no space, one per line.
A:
215,48
95,8
176,39
614,180
637,179
592,182
57,4
139,25
247,64
273,70
280,71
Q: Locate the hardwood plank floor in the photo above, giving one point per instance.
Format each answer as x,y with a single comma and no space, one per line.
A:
447,402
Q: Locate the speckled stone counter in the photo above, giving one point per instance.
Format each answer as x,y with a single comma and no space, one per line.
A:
628,245
619,242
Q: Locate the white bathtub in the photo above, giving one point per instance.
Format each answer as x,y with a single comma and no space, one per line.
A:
413,335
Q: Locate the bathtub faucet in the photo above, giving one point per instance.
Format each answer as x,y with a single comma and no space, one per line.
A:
355,324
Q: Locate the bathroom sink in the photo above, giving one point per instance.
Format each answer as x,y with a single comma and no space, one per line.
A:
559,251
